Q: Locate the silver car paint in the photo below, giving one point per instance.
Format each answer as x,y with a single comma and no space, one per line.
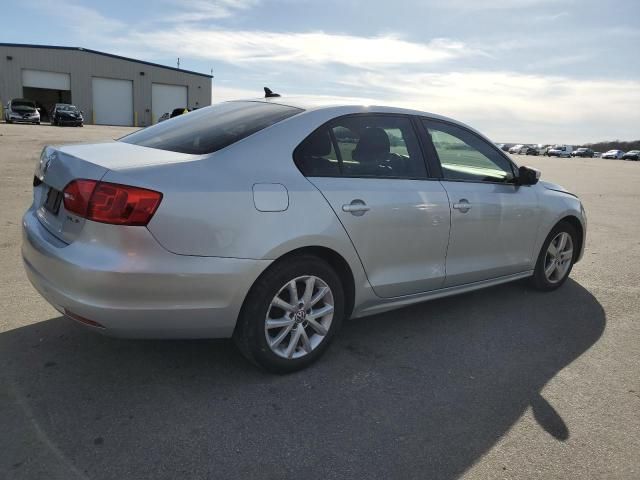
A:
123,279
208,241
495,235
402,240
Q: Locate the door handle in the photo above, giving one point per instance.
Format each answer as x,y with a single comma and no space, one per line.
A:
356,207
463,205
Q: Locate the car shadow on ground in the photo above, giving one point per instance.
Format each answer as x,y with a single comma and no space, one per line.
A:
421,392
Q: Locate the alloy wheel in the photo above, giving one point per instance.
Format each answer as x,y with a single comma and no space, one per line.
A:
299,317
559,257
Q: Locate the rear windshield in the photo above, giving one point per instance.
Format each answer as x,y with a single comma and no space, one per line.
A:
210,129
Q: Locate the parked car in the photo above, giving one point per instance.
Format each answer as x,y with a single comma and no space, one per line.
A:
531,151
178,111
66,114
517,149
164,116
560,151
615,154
597,154
21,110
274,221
631,155
582,152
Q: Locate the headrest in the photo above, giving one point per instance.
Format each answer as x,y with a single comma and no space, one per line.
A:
373,145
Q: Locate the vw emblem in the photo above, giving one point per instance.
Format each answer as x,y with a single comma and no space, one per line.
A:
47,162
300,316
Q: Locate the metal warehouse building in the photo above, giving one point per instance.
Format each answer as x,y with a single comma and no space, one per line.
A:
109,89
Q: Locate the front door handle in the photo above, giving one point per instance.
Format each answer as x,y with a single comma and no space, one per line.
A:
463,205
357,207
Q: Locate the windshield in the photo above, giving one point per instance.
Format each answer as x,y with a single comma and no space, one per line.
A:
23,104
66,108
582,150
212,128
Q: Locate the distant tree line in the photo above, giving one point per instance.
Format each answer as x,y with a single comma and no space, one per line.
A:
613,145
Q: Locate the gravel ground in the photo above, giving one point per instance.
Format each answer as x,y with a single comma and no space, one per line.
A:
501,383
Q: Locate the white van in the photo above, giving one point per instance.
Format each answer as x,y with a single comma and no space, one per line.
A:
560,151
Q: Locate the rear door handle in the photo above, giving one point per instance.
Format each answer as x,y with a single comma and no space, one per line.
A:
463,205
356,207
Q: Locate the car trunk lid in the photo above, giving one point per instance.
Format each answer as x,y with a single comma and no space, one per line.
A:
58,166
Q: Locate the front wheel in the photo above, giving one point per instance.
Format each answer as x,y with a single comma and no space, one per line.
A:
556,257
291,314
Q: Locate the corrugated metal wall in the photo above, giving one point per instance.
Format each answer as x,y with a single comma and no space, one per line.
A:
83,65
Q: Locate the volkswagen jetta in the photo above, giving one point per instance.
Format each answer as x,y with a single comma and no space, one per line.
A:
272,221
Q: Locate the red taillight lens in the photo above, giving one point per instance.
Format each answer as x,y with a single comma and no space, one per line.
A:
111,203
77,195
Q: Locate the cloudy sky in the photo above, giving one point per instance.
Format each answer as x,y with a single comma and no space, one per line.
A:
537,71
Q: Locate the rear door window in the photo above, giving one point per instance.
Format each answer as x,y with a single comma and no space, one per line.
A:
378,146
210,129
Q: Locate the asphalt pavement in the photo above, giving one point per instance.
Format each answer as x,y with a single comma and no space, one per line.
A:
501,383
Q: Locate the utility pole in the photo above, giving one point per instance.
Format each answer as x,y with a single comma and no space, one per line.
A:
178,62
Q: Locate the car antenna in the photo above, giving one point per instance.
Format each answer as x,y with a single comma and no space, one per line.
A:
269,94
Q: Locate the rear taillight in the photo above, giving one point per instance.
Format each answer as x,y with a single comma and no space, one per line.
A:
110,202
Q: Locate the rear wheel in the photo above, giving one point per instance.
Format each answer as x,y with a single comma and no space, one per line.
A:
556,257
291,314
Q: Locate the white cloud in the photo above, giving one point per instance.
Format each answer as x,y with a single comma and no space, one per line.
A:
87,22
202,10
516,107
242,47
496,4
551,17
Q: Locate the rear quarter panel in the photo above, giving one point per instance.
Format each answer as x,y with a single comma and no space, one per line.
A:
208,208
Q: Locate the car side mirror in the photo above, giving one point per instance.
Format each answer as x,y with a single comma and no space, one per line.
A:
527,176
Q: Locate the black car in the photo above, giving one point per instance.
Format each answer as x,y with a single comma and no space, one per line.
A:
178,111
531,151
582,152
632,155
65,114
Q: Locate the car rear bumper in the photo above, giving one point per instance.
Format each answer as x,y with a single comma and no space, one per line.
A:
133,287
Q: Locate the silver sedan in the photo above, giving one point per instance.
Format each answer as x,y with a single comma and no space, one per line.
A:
273,221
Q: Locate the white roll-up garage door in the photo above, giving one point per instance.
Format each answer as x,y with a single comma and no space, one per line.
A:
42,79
164,98
112,101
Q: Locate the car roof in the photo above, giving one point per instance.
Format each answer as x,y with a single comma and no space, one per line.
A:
344,106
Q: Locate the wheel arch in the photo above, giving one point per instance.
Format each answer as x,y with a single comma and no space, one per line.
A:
577,225
335,260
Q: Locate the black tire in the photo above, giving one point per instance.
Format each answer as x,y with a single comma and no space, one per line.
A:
539,279
249,334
